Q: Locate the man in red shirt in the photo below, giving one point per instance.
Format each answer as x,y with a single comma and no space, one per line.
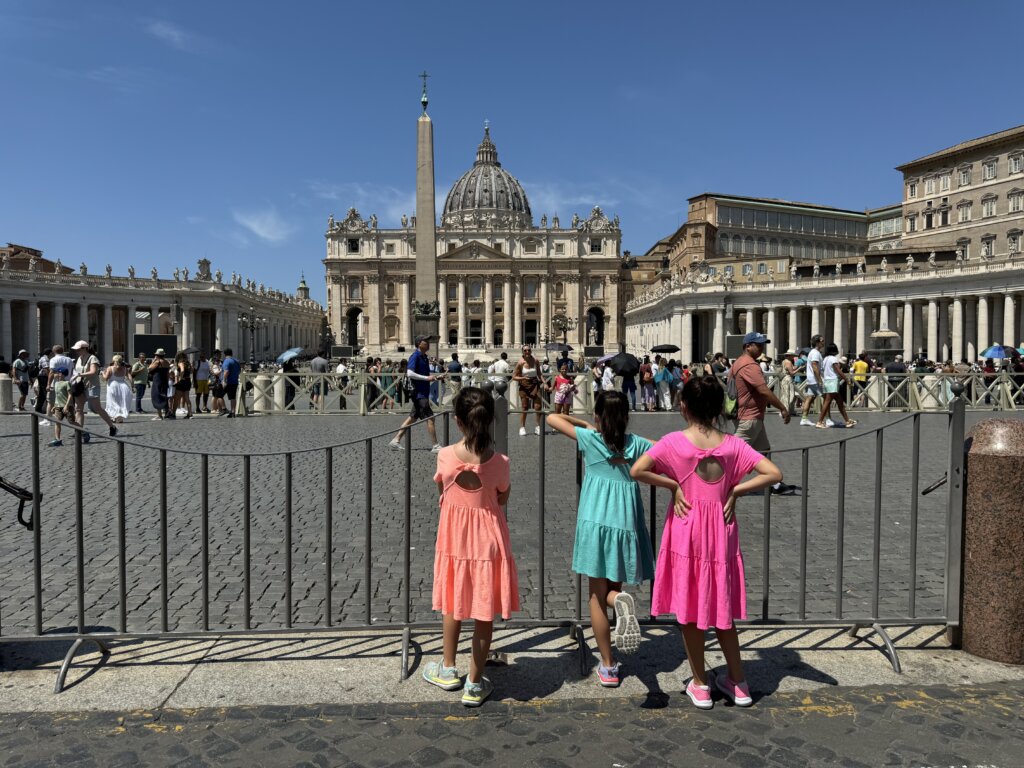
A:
754,397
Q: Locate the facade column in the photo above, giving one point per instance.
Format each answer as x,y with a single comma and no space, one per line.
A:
983,339
517,327
405,313
463,313
542,335
687,337
862,336
908,330
839,327
719,330
57,322
508,313
933,329
6,331
971,330
442,303
32,328
957,352
772,331
794,328
1009,322
488,311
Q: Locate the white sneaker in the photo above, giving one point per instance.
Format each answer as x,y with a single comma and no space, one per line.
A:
522,431
394,445
44,423
437,448
536,430
806,423
829,423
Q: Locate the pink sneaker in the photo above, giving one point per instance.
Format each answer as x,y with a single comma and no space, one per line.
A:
700,695
739,693
608,676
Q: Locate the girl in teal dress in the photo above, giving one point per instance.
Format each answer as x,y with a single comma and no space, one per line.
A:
612,545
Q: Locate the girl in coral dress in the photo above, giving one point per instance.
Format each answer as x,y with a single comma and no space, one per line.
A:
699,575
474,573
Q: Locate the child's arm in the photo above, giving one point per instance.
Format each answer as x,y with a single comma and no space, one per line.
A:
503,495
642,471
767,474
566,424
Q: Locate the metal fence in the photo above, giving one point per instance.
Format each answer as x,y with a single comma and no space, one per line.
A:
294,593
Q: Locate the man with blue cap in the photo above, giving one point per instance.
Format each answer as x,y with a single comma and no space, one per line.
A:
754,397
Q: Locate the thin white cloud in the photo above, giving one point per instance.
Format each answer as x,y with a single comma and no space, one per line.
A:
170,34
389,203
122,79
267,224
553,197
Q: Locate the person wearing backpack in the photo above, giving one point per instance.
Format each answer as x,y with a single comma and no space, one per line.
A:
747,390
647,372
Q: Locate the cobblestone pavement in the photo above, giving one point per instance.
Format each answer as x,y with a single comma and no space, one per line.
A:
348,603
936,726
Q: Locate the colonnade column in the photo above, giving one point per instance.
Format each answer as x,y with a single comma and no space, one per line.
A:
6,332
517,326
944,342
508,313
971,330
862,336
405,311
749,325
32,328
719,330
772,330
815,320
442,304
463,312
957,352
839,327
57,323
488,312
983,340
933,329
687,337
794,328
908,329
1009,323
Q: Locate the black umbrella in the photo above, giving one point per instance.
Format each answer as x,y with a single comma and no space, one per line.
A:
190,350
665,348
557,346
624,364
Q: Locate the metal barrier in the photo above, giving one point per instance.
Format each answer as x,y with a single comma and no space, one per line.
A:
130,615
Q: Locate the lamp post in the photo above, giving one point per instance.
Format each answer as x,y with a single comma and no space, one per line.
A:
564,324
250,321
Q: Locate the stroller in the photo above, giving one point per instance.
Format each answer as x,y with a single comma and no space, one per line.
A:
22,496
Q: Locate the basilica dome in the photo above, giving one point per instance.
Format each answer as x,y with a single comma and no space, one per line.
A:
487,194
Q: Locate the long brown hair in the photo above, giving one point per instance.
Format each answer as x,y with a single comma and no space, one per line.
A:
474,409
611,410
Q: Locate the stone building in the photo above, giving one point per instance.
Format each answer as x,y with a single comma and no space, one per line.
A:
42,303
942,270
502,279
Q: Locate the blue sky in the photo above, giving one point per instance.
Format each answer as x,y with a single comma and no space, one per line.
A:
156,133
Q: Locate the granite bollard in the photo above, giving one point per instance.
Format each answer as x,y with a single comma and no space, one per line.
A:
993,601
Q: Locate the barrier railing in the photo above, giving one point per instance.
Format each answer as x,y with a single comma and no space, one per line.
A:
293,596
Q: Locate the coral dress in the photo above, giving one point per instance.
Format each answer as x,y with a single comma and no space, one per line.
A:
611,539
474,572
699,576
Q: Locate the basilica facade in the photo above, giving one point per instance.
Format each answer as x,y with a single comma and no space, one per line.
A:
502,279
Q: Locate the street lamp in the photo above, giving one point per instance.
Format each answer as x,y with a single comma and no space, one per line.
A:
251,322
564,324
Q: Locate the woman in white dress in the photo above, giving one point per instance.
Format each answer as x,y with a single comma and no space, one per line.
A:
119,392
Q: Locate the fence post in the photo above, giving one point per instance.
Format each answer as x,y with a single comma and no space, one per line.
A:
499,388
955,515
362,396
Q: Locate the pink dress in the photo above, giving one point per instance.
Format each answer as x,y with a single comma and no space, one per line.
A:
474,572
699,575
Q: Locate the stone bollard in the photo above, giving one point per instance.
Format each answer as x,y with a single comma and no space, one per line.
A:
262,398
6,393
993,568
279,395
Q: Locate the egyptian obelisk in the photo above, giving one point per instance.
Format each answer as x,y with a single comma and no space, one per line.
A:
426,312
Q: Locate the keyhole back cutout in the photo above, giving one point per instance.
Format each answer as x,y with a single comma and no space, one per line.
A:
709,469
468,481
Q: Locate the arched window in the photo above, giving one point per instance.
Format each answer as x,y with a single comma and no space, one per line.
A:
355,290
830,251
786,248
389,291
819,251
559,290
773,247
737,244
748,245
531,289
475,289
762,246
723,243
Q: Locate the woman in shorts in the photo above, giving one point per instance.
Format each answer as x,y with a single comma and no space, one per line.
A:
527,376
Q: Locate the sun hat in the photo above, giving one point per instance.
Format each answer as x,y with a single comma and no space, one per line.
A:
80,344
159,353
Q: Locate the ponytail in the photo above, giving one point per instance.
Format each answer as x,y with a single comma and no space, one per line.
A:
612,412
474,409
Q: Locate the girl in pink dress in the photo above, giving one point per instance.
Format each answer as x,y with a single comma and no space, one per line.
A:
564,389
699,575
474,573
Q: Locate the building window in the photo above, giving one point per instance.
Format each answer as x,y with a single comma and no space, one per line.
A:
737,244
595,245
499,291
748,245
911,223
773,247
944,182
929,186
988,207
530,246
475,290
762,268
912,190
559,248
453,291
355,290
531,289
762,246
965,177
1013,240
353,245
989,170
988,246
1016,163
1016,202
498,247
963,213
723,243
389,249
729,271
819,251
781,267
597,289
748,269
712,271
389,292
944,217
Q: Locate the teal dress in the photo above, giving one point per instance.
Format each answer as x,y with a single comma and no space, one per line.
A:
611,539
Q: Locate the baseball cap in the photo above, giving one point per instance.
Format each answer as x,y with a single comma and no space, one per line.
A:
756,338
421,339
80,344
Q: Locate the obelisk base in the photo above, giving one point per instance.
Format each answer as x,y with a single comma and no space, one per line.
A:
427,325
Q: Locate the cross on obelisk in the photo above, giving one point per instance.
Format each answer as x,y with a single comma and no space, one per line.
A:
427,313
